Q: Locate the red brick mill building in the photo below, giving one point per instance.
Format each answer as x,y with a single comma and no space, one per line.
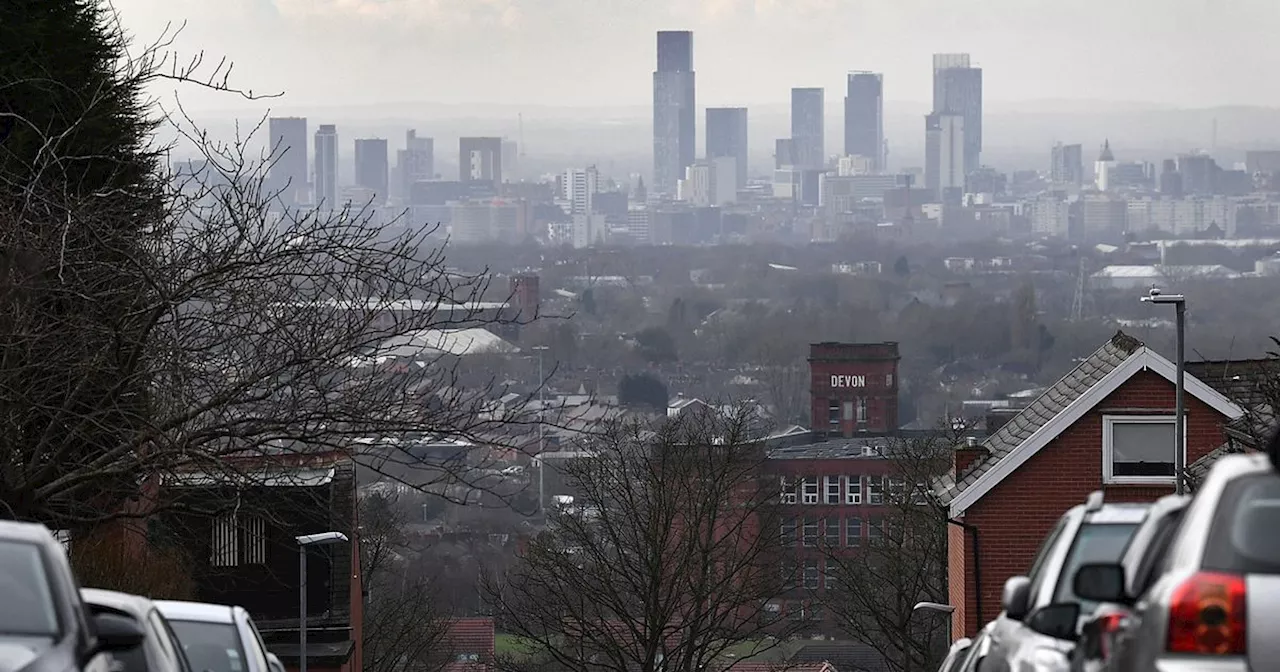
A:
835,480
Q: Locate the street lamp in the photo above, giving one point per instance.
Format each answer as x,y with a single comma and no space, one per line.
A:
542,385
1180,307
304,541
938,608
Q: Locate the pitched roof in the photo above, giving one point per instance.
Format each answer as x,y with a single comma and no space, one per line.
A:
472,635
789,666
1059,407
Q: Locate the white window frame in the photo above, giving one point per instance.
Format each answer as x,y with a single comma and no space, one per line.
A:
809,490
238,540
860,415
831,489
853,490
814,524
1108,470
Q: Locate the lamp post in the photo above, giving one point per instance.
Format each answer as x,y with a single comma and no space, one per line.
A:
1179,409
937,608
303,542
542,464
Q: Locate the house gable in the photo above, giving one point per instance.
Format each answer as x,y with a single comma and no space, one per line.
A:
997,466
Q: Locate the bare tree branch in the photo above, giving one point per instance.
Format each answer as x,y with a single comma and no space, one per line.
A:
665,560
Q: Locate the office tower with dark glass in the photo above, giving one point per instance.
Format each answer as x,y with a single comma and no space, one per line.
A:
727,136
480,160
326,177
416,161
864,118
288,171
371,167
806,128
674,110
957,89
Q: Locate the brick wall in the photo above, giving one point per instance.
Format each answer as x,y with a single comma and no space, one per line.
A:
1014,517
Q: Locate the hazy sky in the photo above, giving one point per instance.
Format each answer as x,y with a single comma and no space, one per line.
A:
601,52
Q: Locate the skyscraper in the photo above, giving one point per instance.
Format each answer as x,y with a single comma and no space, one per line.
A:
944,157
288,171
1066,164
727,136
957,89
326,170
807,120
371,167
417,161
864,117
674,110
480,160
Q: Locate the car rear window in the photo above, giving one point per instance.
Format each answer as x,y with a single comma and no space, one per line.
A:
210,647
24,592
1096,542
1245,537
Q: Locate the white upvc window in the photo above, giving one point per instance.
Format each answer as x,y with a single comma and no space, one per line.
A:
831,486
853,489
1138,449
810,490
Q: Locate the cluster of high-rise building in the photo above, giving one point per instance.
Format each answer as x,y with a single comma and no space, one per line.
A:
814,190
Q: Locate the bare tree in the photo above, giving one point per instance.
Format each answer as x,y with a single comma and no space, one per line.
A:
785,376
664,560
153,319
405,627
904,562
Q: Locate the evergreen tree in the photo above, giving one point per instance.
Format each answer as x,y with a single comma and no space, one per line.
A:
79,187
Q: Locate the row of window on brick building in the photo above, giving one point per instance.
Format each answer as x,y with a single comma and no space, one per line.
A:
831,532
844,490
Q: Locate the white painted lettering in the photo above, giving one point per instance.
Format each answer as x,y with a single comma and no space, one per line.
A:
848,381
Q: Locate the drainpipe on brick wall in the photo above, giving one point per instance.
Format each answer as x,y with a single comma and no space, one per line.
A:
977,566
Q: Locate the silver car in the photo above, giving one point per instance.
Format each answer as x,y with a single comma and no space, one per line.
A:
1145,551
1216,602
1038,625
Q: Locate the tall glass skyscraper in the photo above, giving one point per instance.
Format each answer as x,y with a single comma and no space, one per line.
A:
864,117
674,110
727,136
807,121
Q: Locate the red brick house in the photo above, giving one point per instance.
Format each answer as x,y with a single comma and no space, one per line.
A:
1106,425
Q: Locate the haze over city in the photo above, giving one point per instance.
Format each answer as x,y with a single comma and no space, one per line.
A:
639,335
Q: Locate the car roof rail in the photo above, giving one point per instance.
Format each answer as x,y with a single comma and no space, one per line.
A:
1093,502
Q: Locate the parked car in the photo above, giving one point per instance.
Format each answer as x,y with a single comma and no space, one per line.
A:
1040,618
218,637
159,651
975,657
1216,600
956,655
1141,559
44,624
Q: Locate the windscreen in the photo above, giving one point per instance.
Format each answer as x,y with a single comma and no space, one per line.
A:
210,647
1096,542
1245,536
26,602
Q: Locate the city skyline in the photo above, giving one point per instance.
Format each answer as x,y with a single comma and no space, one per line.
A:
805,37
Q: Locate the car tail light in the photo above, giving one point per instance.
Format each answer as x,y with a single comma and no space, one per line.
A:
1207,615
1108,626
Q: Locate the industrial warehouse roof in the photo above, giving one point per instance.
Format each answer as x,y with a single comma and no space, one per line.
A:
431,342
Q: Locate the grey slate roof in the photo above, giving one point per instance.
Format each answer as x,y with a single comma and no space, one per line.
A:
1048,405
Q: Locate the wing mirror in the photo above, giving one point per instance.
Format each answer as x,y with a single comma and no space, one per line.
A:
117,633
273,662
1100,582
1056,620
1014,598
